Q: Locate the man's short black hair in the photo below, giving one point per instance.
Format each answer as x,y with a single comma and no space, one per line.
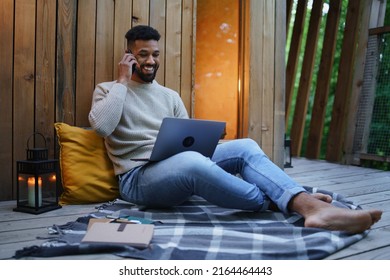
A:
142,32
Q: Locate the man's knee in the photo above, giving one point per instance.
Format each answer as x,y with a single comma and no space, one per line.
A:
193,162
250,146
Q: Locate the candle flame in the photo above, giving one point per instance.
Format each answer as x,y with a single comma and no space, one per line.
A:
31,181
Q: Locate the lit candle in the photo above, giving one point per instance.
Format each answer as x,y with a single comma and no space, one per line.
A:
31,191
52,178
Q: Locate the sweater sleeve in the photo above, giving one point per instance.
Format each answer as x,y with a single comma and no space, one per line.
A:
107,107
180,109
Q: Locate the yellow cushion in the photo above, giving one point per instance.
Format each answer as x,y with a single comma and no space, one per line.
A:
86,171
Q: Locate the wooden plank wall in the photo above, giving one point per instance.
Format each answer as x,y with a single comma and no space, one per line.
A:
350,73
53,53
6,70
267,76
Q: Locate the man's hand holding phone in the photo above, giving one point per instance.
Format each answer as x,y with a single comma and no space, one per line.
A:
126,68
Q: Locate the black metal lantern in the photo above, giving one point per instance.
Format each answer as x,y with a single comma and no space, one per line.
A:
37,184
287,153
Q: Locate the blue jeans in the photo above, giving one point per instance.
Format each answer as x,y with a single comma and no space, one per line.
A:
172,181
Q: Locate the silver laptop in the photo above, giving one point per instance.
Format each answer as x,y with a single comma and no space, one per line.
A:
178,135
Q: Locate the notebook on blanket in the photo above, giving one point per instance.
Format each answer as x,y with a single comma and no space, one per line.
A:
136,235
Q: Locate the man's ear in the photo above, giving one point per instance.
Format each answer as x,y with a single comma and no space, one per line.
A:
129,47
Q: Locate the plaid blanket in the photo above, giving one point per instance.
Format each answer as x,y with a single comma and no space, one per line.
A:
198,230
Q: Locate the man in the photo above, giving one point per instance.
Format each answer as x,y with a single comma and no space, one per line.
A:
128,113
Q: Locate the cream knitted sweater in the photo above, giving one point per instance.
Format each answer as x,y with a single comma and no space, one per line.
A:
129,119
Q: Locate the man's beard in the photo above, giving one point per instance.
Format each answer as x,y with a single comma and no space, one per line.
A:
147,78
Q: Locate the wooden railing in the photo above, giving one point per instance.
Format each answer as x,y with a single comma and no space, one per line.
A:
359,15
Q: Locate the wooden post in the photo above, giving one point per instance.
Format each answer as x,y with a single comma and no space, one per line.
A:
357,83
280,85
293,55
266,124
303,95
288,9
344,82
317,122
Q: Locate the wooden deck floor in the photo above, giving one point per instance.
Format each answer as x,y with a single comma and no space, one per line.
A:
367,187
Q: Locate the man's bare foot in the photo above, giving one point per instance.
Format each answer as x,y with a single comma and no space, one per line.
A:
320,214
352,221
320,196
324,197
375,215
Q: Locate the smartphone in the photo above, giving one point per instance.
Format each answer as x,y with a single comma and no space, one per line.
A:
134,65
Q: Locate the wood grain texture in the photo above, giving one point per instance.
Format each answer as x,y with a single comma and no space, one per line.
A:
173,48
268,77
122,23
187,54
293,55
45,71
337,127
24,77
158,17
356,85
66,61
255,71
85,60
141,12
280,83
104,41
317,122
6,97
305,80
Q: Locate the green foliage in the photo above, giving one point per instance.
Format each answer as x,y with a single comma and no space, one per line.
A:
375,164
332,86
379,139
387,15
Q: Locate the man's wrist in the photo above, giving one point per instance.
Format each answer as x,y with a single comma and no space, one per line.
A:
122,81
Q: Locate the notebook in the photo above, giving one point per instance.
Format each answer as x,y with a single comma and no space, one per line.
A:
136,235
178,135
